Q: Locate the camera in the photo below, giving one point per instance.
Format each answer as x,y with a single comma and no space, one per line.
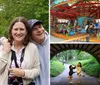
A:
15,81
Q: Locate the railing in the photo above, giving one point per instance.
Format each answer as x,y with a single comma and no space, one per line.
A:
84,38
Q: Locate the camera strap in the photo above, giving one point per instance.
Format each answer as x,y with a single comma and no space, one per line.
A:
18,79
13,57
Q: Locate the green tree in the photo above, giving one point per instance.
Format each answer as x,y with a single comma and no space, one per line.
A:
30,9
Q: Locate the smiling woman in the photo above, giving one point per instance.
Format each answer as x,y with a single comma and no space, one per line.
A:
19,29
19,55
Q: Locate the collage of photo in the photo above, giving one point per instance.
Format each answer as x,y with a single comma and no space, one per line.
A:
74,42
49,42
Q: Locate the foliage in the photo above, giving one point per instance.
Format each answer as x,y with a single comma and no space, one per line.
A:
83,62
89,66
92,69
83,55
60,56
56,68
72,55
30,9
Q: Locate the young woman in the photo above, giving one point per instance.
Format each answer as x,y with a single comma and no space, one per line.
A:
79,70
71,72
19,60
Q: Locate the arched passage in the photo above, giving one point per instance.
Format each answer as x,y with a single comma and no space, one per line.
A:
93,49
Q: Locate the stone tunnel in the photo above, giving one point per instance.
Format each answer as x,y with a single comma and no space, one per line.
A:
93,49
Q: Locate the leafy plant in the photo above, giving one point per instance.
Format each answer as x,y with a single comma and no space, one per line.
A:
56,68
31,9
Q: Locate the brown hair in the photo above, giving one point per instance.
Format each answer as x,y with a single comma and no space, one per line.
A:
24,21
79,63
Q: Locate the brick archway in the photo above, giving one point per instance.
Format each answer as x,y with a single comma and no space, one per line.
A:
93,49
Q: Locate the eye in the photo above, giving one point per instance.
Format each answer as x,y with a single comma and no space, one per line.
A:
34,29
15,29
22,29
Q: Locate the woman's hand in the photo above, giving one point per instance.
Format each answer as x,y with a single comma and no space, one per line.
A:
17,72
6,45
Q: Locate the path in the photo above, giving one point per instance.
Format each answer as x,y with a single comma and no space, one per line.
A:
62,79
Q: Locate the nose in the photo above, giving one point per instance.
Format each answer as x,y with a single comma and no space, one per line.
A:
18,31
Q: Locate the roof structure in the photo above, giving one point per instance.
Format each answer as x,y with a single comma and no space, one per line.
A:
86,8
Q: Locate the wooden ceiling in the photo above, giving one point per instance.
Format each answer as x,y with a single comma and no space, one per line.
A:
93,49
80,8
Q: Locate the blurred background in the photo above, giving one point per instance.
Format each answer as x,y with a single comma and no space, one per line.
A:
30,9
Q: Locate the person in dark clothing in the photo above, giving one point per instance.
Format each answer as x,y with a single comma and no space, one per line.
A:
71,72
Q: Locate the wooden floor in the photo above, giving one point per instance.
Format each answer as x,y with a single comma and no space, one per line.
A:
92,38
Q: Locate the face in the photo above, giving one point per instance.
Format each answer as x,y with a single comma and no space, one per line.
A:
38,33
18,32
79,65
